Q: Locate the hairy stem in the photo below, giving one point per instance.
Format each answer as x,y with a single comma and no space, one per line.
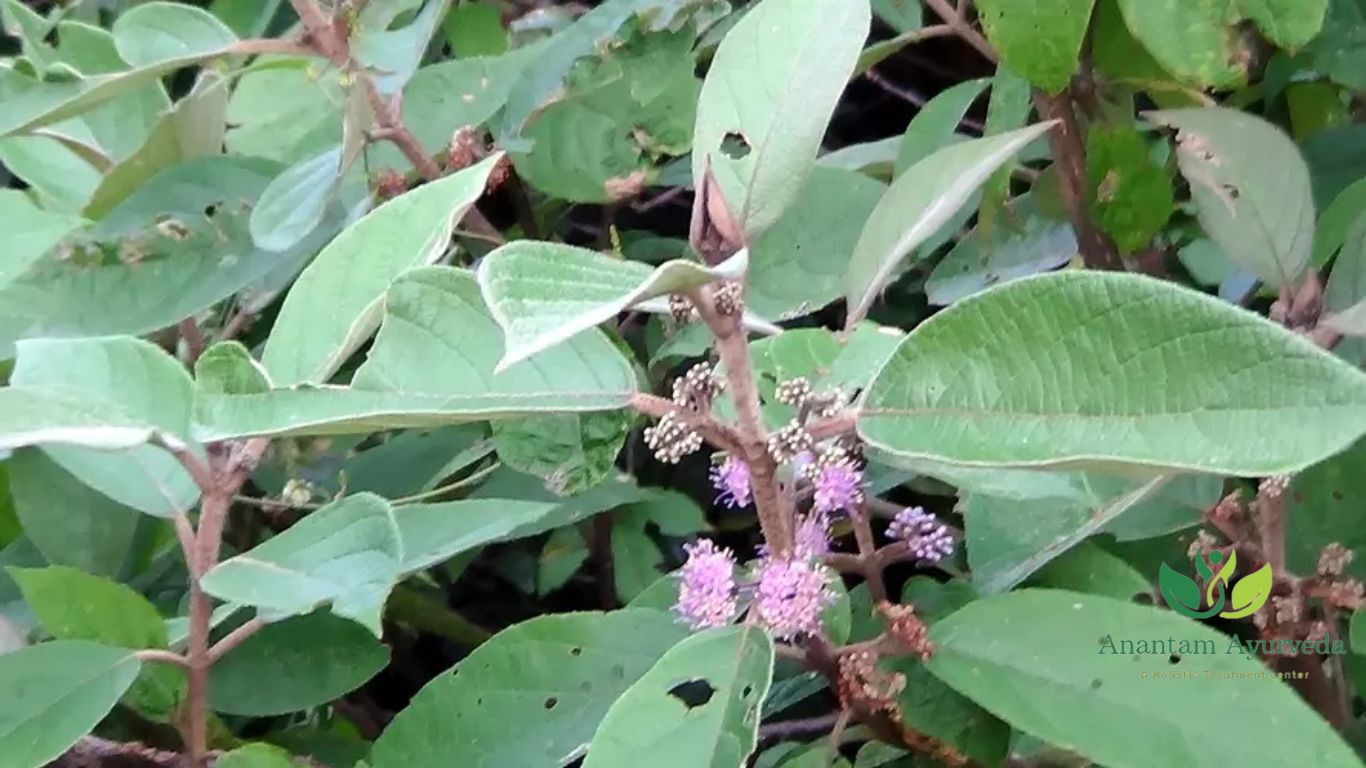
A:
956,17
773,503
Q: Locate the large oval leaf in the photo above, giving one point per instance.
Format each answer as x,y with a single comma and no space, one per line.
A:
1038,659
335,304
1251,189
554,676
771,89
1040,39
1086,369
699,706
53,694
918,203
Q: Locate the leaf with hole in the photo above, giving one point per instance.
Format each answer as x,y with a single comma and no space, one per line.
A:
1250,185
1040,39
698,705
772,87
555,676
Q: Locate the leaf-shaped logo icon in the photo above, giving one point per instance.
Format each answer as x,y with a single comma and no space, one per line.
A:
1250,593
1221,578
1183,594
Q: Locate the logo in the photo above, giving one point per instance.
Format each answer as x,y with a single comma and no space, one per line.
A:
1184,596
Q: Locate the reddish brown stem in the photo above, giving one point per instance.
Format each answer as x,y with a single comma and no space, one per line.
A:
956,17
770,499
235,638
1069,154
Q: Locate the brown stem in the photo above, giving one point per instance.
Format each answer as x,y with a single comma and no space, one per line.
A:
1069,153
714,432
770,499
600,549
285,47
841,423
235,638
867,548
1271,525
957,18
193,337
788,728
163,657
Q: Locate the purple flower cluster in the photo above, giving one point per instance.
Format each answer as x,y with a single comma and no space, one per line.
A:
838,485
706,597
930,539
790,596
731,480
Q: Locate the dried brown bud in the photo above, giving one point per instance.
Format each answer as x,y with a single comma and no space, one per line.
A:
864,687
464,150
499,174
388,184
1345,594
1203,545
907,629
681,308
1288,609
1334,559
1272,487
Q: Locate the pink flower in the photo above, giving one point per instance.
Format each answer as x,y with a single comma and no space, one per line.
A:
813,536
930,539
706,596
790,596
839,485
731,480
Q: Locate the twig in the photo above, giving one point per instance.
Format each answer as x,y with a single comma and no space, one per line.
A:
285,47
163,657
193,338
418,610
1069,154
957,18
474,478
235,638
868,557
905,94
716,434
645,206
274,504
788,728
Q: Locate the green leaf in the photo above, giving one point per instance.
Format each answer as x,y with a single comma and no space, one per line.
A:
294,665
394,54
1040,39
348,554
288,112
1346,287
1131,196
1032,658
335,304
47,415
935,126
918,203
1321,506
434,533
796,267
154,32
34,232
139,378
1287,23
192,128
1250,186
146,276
1022,399
73,605
554,676
54,694
256,756
545,293
571,451
1091,569
58,177
1007,540
475,28
772,87
1023,240
699,705
1188,38
561,555
432,364
295,201
66,521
